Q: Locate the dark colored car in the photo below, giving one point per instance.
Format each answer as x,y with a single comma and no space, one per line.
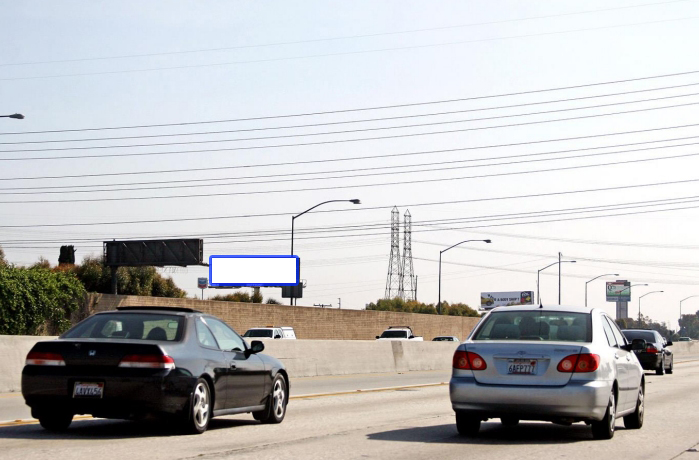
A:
656,356
138,362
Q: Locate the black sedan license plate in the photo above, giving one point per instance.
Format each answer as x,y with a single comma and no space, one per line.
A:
521,366
88,390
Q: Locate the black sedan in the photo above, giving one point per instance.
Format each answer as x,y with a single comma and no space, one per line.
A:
656,356
140,362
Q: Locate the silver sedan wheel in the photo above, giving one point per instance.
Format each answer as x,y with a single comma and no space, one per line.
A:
200,405
641,406
278,398
612,414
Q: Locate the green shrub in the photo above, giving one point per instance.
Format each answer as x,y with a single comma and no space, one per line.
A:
35,298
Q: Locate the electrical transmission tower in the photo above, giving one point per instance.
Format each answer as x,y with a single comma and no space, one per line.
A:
408,283
393,279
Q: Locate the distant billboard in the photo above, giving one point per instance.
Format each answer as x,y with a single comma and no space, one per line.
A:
158,253
253,271
505,299
618,291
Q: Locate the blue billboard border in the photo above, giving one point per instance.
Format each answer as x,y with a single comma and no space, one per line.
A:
298,271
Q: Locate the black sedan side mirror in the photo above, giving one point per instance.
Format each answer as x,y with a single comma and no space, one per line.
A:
256,346
638,344
669,342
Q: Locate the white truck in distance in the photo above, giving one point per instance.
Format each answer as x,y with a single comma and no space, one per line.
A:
399,333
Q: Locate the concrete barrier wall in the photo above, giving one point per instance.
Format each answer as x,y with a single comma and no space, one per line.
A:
308,358
308,322
13,352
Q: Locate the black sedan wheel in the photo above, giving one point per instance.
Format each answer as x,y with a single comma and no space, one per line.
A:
275,408
199,413
57,421
509,421
661,369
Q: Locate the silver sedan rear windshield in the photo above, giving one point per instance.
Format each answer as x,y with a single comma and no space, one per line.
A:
536,325
129,326
258,333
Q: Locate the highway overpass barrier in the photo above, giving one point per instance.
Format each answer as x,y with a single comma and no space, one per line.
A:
308,358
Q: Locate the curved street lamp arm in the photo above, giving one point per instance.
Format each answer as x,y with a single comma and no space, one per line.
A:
319,204
462,242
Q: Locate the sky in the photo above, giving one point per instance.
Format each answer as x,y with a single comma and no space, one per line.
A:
547,127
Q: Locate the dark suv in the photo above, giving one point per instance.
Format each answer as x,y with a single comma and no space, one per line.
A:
656,356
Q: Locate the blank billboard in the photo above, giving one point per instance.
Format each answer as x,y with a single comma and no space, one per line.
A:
254,271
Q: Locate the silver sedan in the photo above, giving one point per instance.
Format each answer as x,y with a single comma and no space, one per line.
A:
558,364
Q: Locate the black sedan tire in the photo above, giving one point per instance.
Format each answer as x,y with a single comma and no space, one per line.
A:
509,421
661,369
55,421
275,408
635,421
198,414
604,429
467,425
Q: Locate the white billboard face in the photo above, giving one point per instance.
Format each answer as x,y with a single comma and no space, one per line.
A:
253,271
505,299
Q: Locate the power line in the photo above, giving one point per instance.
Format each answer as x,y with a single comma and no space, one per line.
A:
356,176
337,187
286,136
344,37
371,157
346,53
369,120
414,205
424,223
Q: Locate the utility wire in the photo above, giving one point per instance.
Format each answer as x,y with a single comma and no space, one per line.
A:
338,187
130,188
343,37
414,205
350,131
346,53
370,120
370,157
425,223
197,182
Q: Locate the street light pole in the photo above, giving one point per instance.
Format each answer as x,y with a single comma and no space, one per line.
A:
678,323
639,305
538,297
587,282
293,218
439,289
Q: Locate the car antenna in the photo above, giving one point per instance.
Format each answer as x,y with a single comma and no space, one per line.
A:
541,304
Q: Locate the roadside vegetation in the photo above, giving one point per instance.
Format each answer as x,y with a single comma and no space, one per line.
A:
411,306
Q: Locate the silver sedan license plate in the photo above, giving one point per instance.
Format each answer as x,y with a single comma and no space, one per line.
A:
88,390
521,366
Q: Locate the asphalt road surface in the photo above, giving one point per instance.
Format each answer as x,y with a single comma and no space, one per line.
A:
412,423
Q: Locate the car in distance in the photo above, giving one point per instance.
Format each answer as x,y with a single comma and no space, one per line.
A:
399,333
685,339
445,338
656,356
136,362
557,364
269,332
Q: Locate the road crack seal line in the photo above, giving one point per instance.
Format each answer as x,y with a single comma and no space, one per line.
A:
691,449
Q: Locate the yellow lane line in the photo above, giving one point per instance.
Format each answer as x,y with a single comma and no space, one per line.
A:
32,421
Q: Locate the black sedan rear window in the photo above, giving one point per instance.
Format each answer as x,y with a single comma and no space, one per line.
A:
648,336
536,325
130,326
